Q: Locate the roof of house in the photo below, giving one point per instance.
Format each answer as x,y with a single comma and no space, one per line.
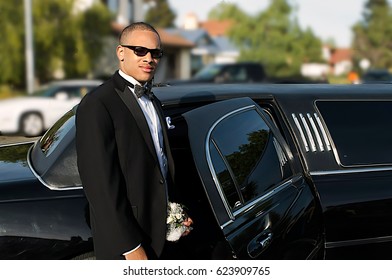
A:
217,27
174,40
167,38
339,55
224,44
203,42
193,35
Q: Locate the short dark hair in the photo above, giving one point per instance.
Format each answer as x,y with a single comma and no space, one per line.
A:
143,26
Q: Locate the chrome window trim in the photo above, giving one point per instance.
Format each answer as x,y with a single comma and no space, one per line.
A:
267,195
356,242
252,204
231,175
323,132
316,132
308,133
42,181
209,161
350,171
311,125
306,145
246,207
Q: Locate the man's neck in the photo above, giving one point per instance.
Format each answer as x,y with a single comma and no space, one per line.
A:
130,79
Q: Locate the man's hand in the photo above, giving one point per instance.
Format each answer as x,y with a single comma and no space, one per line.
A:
138,254
188,223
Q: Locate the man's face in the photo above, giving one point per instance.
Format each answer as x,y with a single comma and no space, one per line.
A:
141,68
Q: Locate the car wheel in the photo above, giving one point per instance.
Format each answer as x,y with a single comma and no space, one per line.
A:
31,124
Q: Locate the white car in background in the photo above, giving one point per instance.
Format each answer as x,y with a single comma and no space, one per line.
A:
33,114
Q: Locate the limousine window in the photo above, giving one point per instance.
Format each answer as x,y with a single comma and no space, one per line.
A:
52,138
53,157
360,130
247,159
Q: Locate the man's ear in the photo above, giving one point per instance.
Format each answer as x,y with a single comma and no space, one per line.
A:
120,53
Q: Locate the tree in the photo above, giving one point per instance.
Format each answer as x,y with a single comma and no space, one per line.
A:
64,39
227,11
373,34
160,14
11,46
273,37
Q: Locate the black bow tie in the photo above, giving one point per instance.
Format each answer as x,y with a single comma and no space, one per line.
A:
143,90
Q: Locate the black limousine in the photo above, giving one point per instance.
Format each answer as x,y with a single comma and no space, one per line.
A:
267,171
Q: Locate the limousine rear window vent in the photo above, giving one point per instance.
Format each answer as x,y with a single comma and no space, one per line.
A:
312,132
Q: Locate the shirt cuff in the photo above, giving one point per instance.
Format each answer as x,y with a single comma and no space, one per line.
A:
126,253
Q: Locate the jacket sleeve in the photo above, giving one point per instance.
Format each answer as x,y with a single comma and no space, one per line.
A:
115,229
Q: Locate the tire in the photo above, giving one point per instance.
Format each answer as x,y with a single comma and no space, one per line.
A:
31,124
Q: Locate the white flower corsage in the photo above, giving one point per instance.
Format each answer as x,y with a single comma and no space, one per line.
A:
175,217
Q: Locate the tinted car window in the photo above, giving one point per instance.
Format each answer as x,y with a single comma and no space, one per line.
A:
254,158
56,133
223,174
53,157
360,130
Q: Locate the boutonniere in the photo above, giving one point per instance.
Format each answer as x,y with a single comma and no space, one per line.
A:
176,215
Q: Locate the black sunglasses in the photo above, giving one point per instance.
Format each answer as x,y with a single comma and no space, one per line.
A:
142,51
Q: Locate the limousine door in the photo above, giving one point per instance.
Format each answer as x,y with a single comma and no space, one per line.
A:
264,208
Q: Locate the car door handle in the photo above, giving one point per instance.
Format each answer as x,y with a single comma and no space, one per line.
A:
260,243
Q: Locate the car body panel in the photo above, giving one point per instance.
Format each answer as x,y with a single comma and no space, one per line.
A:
265,221
36,222
359,196
354,200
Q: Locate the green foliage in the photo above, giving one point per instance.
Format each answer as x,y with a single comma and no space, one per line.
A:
8,92
243,161
63,39
272,37
160,14
373,34
12,44
227,11
15,154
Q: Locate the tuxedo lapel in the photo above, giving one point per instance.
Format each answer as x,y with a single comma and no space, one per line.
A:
127,97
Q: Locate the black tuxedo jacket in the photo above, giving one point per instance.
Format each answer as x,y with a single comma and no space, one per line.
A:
120,172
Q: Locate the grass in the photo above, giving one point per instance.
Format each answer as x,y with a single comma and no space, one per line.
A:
338,79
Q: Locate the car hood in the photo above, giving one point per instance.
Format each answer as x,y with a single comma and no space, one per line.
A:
13,163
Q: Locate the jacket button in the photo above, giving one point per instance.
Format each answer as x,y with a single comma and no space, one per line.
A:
161,181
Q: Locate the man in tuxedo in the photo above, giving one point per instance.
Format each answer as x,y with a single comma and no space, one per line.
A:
124,158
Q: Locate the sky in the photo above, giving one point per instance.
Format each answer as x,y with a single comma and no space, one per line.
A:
327,18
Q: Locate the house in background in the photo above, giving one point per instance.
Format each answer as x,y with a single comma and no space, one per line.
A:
195,45
341,61
211,45
174,64
218,30
338,61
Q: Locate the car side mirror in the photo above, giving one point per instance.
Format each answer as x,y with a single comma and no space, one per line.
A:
62,96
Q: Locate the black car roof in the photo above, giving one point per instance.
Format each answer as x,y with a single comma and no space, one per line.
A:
181,94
